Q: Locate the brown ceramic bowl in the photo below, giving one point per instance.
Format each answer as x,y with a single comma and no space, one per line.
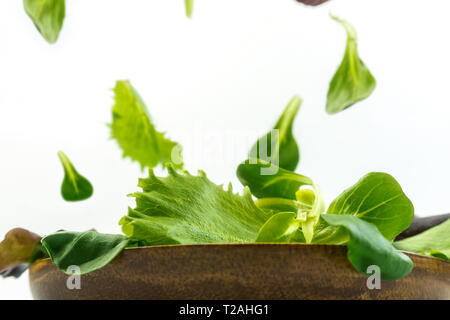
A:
239,271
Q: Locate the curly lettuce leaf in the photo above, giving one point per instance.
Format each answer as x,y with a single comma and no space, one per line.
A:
433,242
88,250
47,16
186,209
353,81
135,132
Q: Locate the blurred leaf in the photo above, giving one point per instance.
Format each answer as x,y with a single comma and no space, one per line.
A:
16,249
312,2
47,16
432,242
189,7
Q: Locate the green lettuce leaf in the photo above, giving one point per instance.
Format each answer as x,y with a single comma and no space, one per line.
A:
433,242
186,209
353,81
276,205
285,153
47,16
275,190
325,233
18,247
74,187
280,183
379,199
281,227
88,250
135,133
366,246
189,4
311,216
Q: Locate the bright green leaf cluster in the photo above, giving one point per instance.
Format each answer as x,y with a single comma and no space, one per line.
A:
361,218
185,209
364,217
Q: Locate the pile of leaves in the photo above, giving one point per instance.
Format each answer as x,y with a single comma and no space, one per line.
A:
276,205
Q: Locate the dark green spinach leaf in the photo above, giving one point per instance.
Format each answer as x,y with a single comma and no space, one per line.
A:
88,250
266,180
367,247
379,199
279,146
75,187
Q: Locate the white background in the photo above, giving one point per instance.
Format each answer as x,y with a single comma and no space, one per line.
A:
215,83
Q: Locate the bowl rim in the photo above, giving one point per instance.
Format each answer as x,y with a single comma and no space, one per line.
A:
258,244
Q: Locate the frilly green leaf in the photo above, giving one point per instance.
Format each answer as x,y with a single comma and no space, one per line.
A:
186,209
135,132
